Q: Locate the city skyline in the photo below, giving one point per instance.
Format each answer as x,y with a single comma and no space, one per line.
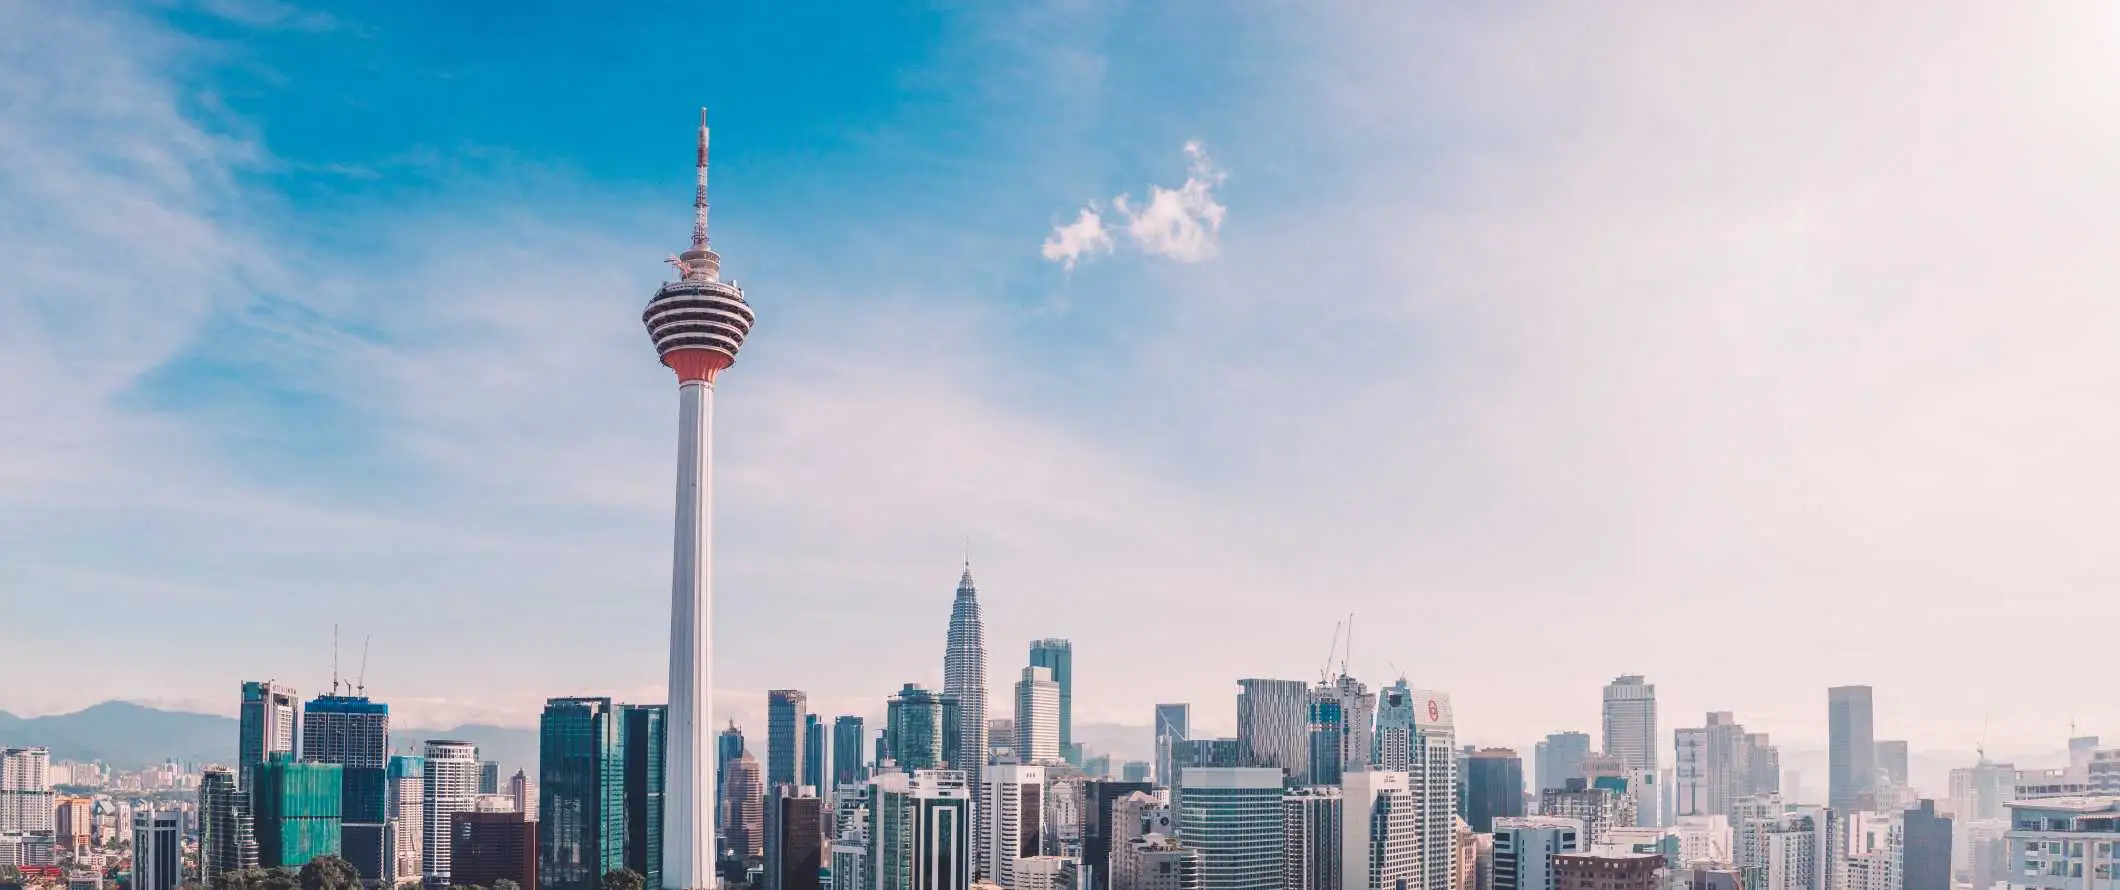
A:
391,376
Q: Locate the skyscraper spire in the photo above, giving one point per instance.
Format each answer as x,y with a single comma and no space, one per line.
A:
964,676
699,197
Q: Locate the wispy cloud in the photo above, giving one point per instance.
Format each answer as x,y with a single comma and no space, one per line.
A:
1183,223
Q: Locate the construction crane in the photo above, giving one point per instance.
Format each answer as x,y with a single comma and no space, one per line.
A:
360,686
1325,670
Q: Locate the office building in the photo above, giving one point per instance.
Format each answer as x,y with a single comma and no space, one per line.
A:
847,760
295,810
926,731
1791,850
1598,807
1630,721
787,716
157,850
269,723
1524,847
850,862
743,807
1891,761
489,776
522,792
1037,717
1494,787
1326,734
489,847
226,842
1157,862
1852,748
1100,830
1200,752
1927,843
1560,758
816,752
1873,853
1607,871
1311,837
1273,727
354,733
27,803
1713,767
728,745
1416,734
794,850
1058,657
960,739
406,779
1015,818
642,735
1382,843
921,833
581,829
1046,873
697,324
448,785
1233,816
1982,791
1173,724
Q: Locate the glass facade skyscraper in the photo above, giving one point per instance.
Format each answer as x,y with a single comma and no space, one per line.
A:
1233,817
846,751
728,745
295,810
354,733
923,730
1058,656
581,827
269,723
641,735
1851,775
1328,730
816,753
787,711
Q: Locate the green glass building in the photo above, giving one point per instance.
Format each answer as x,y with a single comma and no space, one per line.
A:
923,729
641,735
295,810
581,810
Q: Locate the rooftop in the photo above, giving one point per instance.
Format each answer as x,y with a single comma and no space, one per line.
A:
2094,803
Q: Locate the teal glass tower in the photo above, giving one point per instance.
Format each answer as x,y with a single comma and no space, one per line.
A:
581,809
1058,655
296,809
923,729
642,734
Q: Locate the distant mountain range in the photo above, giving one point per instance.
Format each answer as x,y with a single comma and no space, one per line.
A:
129,736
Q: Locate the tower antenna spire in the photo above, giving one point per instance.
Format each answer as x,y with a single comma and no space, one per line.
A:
699,197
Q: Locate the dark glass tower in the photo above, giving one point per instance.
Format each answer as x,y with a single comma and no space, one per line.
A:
1058,655
641,735
1851,775
1926,862
581,809
785,728
816,753
924,730
354,733
794,840
1328,726
728,745
846,753
1494,787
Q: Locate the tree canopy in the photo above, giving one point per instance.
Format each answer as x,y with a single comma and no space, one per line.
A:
622,879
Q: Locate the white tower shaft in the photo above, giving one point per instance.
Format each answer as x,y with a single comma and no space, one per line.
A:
688,795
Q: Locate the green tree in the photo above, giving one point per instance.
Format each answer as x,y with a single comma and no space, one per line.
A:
329,873
622,879
282,878
505,884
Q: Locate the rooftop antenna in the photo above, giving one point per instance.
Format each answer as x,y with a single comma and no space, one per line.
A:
334,658
1325,670
360,686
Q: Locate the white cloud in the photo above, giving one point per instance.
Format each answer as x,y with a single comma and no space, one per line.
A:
1183,223
1085,236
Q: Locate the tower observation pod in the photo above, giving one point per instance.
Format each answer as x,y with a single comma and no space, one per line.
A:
697,324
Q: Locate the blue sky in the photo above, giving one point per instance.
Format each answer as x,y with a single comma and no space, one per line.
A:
1754,350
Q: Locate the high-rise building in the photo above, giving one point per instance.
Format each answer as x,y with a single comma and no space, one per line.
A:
1100,830
1982,791
73,821
1524,847
1630,722
157,849
1494,787
1790,850
1326,732
728,745
581,805
27,803
295,810
1233,816
1874,852
1058,656
354,733
1173,725
1311,838
1762,765
923,730
697,323
489,847
269,723
1417,735
816,753
643,734
522,792
1560,758
1715,766
787,712
1037,717
1607,871
964,682
794,839
489,777
448,785
1273,727
1015,818
847,767
1892,761
406,778
226,842
921,831
1475,857
2055,843
743,807
1158,862
1600,808
1852,747
1927,851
